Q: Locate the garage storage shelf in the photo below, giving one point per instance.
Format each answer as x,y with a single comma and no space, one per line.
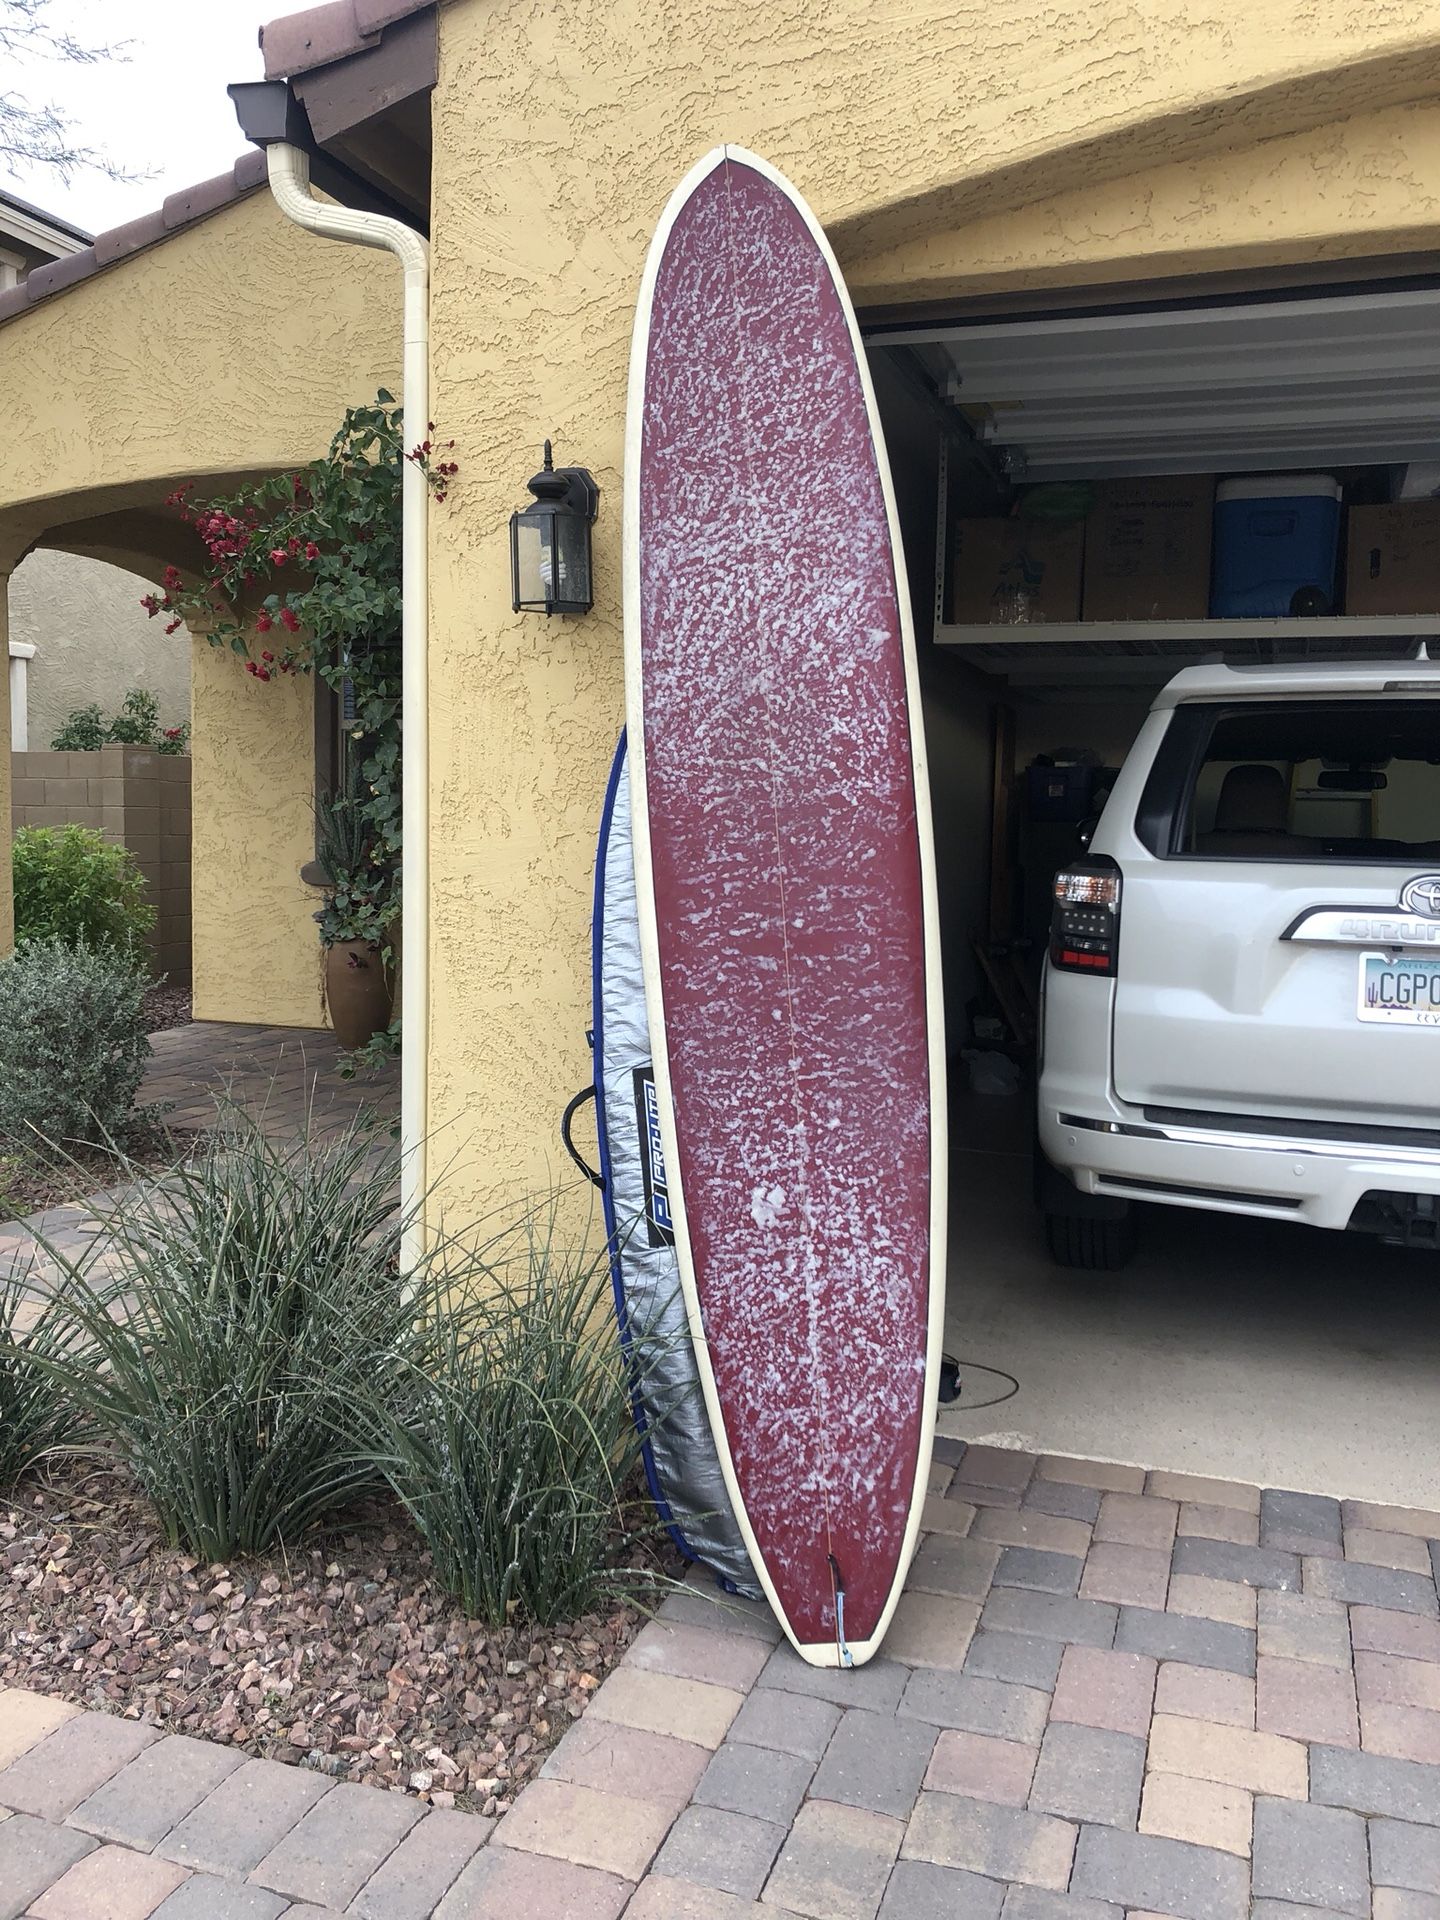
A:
1145,653
1339,628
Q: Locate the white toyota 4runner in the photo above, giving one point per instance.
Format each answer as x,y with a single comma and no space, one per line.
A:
1241,999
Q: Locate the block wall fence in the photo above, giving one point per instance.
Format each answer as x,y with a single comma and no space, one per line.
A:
137,799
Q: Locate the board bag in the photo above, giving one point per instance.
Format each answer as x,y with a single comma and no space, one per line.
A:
681,1464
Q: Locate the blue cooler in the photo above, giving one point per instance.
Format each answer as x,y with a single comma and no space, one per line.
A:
1275,546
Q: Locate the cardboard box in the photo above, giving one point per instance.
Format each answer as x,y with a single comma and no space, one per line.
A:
1015,572
1392,558
1147,548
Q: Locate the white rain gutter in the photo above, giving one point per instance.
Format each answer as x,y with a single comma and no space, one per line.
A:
21,654
289,171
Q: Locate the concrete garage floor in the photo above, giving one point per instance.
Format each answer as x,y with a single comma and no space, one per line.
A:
1247,1350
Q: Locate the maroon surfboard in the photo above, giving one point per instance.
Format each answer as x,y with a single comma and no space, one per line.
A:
785,882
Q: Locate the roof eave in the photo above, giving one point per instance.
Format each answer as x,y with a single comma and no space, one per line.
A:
359,74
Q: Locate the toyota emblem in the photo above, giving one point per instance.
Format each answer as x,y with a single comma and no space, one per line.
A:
1422,896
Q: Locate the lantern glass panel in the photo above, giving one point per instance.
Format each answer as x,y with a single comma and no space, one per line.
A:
572,556
533,559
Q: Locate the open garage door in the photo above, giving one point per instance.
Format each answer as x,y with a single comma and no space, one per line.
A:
1037,456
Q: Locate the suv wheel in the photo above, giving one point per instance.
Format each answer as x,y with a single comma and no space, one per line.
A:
1095,1246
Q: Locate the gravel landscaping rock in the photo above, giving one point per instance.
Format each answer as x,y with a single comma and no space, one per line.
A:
343,1656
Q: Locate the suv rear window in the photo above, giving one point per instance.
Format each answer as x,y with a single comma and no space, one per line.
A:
1345,780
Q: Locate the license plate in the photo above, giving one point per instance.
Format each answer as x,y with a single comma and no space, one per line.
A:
1402,990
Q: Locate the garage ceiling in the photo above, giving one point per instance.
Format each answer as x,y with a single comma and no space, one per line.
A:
1351,380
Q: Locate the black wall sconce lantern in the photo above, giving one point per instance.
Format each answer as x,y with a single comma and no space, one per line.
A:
550,542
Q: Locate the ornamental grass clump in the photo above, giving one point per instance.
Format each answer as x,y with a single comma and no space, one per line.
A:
37,1419
255,1307
513,1446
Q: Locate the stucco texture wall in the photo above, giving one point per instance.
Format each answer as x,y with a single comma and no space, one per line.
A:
256,950
230,349
1365,186
559,134
93,642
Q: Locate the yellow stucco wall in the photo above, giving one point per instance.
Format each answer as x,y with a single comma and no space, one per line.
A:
256,949
7,904
559,134
1351,189
229,349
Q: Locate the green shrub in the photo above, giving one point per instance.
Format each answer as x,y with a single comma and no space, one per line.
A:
82,731
256,1307
514,1444
71,884
73,1045
137,724
36,1417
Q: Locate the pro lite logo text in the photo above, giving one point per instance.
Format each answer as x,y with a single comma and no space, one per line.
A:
658,1222
1422,895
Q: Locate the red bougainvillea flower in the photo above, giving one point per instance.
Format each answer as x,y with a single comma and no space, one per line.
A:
263,623
173,626
312,552
262,673
278,556
267,656
289,620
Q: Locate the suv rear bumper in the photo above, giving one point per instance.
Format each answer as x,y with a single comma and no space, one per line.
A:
1317,1182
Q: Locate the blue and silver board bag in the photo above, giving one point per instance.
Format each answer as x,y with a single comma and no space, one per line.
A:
679,1451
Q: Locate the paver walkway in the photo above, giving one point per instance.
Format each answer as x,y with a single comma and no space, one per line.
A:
276,1073
1105,1693
280,1075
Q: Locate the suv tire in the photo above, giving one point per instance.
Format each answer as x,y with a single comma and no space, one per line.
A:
1094,1233
1094,1246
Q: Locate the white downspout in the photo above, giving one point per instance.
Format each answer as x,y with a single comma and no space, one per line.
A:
289,170
21,654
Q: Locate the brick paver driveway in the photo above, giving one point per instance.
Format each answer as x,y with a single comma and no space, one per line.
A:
1105,1692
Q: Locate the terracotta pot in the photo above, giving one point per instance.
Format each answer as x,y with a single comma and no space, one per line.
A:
357,991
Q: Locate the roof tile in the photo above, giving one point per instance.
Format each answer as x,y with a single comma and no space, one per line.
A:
179,210
193,203
56,274
299,42
135,234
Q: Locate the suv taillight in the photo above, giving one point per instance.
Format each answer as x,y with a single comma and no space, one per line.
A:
1085,925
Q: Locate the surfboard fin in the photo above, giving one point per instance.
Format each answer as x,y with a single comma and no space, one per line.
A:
837,1586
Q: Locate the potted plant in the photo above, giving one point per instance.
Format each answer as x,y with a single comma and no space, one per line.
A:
356,918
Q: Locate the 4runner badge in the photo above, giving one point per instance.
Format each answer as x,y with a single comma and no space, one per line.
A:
1422,896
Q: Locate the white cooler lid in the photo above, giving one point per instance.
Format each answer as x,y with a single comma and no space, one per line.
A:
1281,486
